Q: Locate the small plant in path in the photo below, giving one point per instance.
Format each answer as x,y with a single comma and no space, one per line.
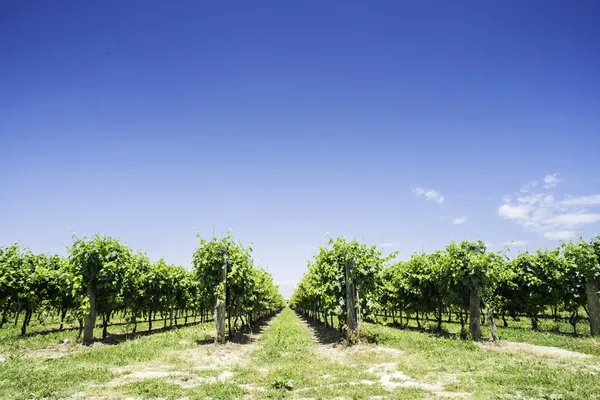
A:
280,383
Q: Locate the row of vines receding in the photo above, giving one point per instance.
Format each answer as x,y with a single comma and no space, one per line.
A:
465,283
102,277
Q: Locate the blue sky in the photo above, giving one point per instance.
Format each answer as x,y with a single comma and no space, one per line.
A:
404,124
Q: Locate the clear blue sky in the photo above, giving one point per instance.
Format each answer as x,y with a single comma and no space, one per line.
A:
401,123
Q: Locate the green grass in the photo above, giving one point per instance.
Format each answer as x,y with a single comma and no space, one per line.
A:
287,352
41,335
156,388
286,361
487,373
37,374
550,333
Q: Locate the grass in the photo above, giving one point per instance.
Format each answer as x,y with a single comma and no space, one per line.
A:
29,373
293,359
41,335
288,352
550,333
490,374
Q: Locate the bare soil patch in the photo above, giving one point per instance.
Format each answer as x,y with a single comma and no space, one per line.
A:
538,351
390,378
55,351
380,361
212,362
130,373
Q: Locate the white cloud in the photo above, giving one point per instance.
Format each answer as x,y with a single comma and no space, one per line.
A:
459,220
528,187
516,243
551,180
548,182
539,211
575,219
560,235
429,194
582,200
511,211
389,244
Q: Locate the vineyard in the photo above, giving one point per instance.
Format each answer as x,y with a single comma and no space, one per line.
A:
350,281
459,322
104,277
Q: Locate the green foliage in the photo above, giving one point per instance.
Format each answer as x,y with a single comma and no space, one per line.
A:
440,283
249,290
583,257
324,286
129,283
281,383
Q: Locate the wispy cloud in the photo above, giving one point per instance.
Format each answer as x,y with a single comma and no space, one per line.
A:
515,243
389,244
459,220
560,235
551,180
582,200
429,194
538,210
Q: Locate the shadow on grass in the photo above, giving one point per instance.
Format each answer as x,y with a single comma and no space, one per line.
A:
327,335
98,326
499,324
49,331
244,335
430,331
118,338
323,334
549,331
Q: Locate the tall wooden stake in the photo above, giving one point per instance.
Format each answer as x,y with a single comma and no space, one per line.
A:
474,315
221,302
350,303
90,318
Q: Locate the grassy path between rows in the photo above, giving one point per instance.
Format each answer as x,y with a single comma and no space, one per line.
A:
407,364
290,353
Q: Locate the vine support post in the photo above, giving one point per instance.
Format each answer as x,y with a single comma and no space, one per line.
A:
221,302
90,317
474,314
357,306
350,303
591,290
492,323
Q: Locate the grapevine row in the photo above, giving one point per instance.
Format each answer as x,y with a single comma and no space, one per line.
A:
103,277
463,281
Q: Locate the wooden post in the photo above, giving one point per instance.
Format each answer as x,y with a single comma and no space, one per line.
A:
492,323
474,315
591,291
357,306
90,318
221,302
350,303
